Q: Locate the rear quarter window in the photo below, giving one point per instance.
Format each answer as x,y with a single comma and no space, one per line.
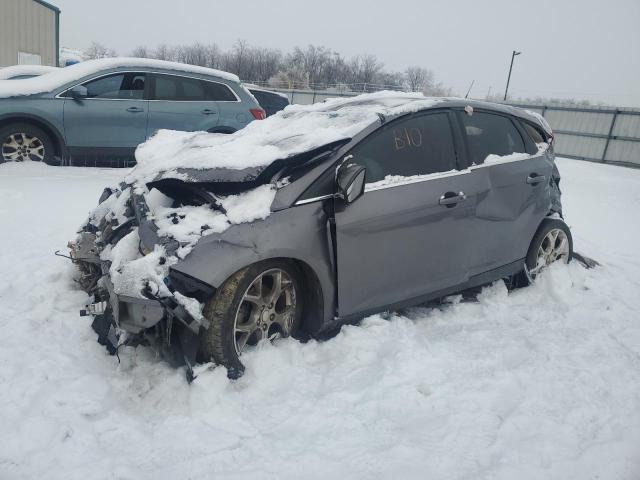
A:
490,134
535,133
218,92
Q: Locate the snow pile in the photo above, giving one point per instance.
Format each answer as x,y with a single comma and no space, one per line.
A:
62,76
131,272
514,157
541,383
20,70
296,129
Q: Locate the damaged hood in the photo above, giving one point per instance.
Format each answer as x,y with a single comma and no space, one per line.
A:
244,155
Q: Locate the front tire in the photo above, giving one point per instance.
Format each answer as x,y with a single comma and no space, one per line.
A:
260,302
551,243
22,141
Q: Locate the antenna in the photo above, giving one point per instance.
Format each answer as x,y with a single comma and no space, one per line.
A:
470,87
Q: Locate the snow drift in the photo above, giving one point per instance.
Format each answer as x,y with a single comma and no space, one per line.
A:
539,383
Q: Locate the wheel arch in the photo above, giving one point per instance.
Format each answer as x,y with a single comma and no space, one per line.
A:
48,127
313,294
313,298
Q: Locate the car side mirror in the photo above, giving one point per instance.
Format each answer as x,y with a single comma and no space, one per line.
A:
351,182
79,92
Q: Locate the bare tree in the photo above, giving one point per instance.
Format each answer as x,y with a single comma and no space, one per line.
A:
196,54
97,50
313,66
364,69
141,52
418,78
164,52
214,56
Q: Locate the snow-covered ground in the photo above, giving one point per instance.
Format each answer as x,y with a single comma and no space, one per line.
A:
539,383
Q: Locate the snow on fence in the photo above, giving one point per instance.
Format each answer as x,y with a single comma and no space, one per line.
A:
597,134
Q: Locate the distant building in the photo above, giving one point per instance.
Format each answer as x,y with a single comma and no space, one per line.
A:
29,33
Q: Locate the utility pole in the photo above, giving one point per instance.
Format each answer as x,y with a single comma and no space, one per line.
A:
509,77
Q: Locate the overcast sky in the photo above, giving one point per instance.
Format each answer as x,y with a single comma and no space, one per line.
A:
581,49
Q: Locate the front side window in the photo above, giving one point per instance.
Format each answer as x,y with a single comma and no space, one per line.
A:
125,86
418,145
489,134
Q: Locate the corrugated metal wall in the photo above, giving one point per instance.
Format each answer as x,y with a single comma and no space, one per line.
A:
595,134
27,26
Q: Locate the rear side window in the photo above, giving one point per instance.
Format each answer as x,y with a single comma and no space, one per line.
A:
184,89
415,146
178,89
117,86
489,134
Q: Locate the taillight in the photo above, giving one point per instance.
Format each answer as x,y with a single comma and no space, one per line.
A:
258,113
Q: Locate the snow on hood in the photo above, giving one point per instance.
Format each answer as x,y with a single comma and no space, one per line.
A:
20,70
60,77
294,130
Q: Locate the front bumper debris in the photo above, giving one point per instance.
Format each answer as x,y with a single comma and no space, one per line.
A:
123,318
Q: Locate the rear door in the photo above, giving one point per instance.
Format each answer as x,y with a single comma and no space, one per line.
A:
182,103
411,233
517,199
114,114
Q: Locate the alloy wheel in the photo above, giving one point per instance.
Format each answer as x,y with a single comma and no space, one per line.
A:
266,311
554,247
21,146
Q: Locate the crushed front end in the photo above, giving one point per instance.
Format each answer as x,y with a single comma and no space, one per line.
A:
124,257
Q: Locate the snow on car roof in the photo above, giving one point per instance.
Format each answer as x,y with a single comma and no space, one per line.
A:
294,130
60,77
20,70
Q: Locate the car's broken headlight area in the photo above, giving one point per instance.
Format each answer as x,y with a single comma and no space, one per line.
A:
125,251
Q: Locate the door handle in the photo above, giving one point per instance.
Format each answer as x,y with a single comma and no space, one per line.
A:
534,179
451,199
208,111
135,109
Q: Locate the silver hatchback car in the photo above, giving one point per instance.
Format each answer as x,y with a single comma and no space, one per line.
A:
317,216
100,110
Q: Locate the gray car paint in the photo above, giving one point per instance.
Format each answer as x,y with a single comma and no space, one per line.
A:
392,247
100,125
395,246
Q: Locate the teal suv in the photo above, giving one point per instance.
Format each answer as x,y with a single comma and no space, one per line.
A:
101,110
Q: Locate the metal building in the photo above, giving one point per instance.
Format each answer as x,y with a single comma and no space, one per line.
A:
29,33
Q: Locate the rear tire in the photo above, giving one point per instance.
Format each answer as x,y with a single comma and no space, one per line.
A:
551,243
249,307
23,141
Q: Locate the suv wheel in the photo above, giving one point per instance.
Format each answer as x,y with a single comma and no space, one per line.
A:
260,302
22,141
551,243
